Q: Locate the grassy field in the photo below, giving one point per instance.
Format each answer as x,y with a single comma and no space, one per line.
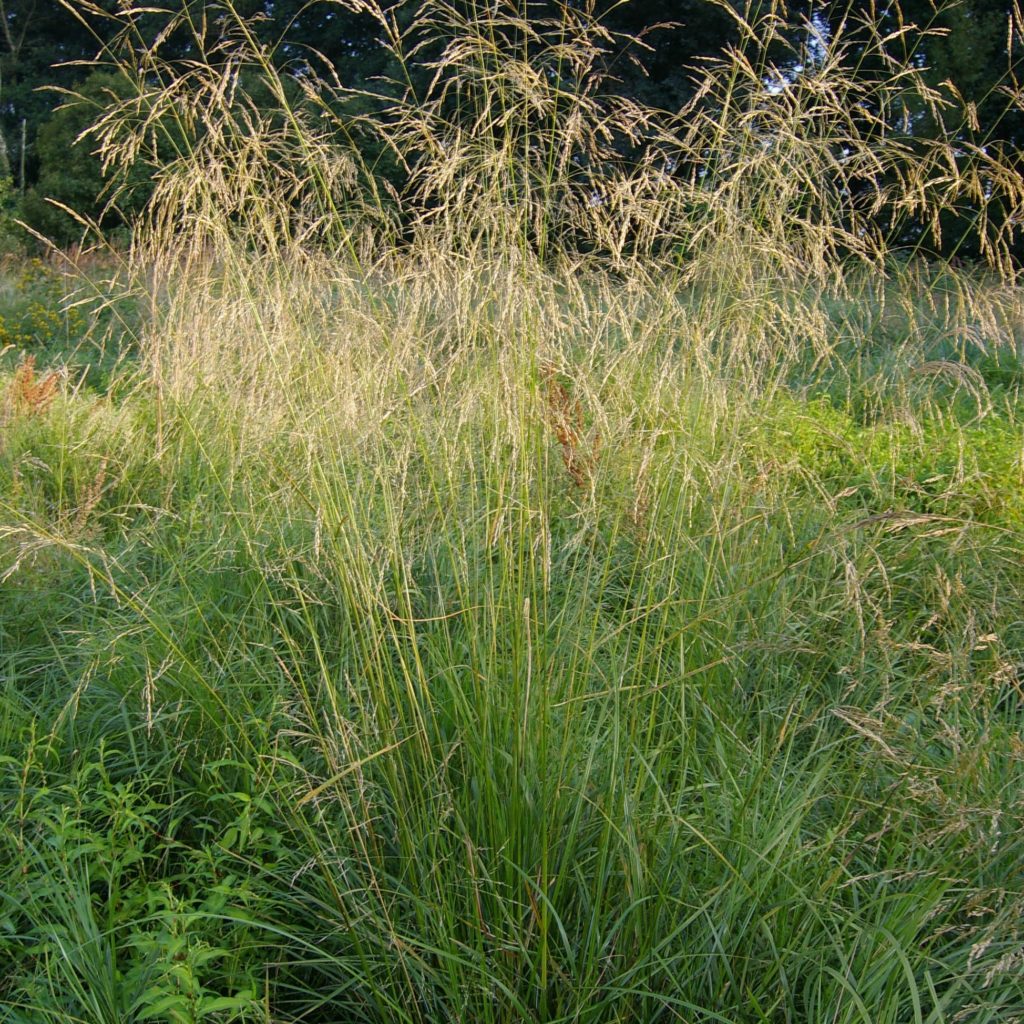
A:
477,634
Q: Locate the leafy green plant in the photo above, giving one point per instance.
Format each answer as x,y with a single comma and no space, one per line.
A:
34,315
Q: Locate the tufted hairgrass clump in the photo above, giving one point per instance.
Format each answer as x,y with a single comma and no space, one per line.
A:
478,603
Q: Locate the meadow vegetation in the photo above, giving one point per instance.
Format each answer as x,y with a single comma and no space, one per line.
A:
569,592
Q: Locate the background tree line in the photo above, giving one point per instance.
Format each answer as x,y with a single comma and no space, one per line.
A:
46,47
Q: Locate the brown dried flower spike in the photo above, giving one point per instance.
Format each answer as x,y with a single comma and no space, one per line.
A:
30,394
565,417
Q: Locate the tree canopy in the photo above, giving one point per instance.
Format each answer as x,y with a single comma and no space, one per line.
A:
971,54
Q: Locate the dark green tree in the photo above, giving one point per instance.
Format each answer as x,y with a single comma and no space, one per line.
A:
971,58
38,39
70,172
